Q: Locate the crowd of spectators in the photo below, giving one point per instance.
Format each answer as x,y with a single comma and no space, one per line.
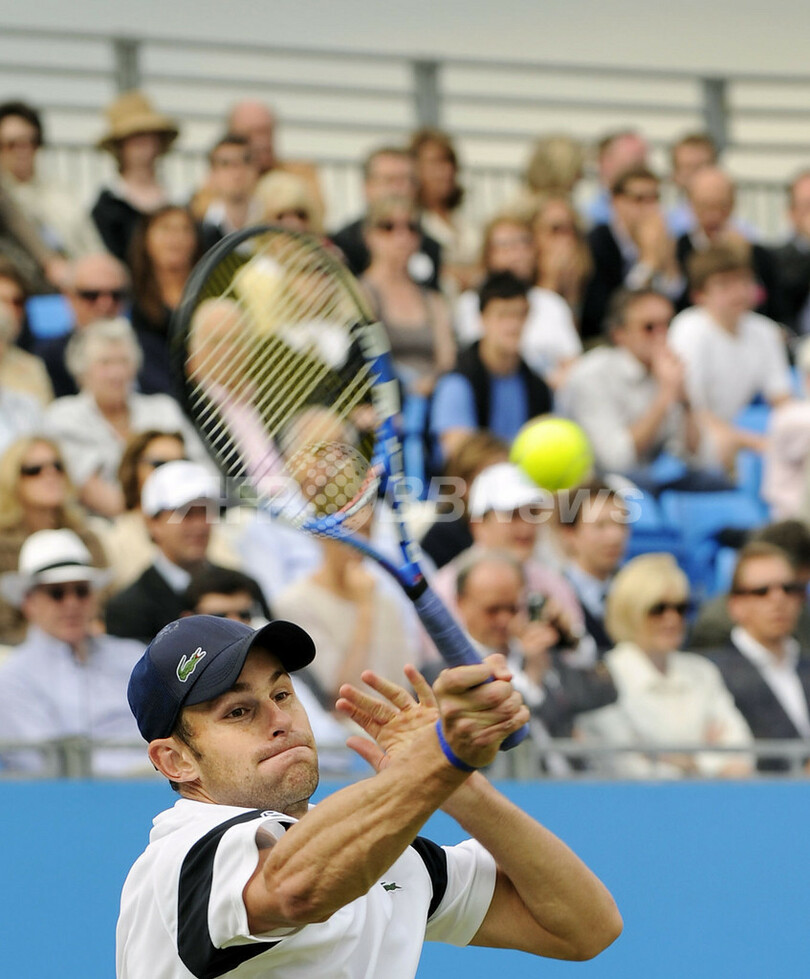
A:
655,329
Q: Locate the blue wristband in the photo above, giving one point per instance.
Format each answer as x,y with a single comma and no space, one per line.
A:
449,754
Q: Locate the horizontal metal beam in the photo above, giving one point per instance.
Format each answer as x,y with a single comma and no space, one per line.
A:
448,61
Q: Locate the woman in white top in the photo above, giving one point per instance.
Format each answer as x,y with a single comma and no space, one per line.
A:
550,341
93,426
666,697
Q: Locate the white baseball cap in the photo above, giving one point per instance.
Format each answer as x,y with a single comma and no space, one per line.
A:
177,484
50,557
503,488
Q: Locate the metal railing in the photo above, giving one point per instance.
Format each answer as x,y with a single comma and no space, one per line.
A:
336,104
74,758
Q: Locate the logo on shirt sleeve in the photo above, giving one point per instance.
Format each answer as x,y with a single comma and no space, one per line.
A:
188,665
392,886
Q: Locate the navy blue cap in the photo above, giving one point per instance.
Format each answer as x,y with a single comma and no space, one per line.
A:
200,657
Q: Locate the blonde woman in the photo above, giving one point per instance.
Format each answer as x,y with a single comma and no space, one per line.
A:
288,200
666,697
35,494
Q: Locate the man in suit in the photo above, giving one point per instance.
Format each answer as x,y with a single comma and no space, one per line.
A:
595,530
492,607
633,250
389,171
793,258
712,195
180,501
762,665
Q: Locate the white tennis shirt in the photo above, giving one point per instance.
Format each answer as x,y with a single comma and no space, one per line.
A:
182,912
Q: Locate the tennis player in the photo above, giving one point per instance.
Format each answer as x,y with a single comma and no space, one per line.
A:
243,878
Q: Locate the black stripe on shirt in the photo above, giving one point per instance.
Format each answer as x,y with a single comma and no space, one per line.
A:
194,945
435,860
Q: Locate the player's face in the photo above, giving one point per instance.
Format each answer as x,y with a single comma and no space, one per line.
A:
254,746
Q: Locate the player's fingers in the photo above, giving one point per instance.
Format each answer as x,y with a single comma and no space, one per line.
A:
368,751
424,692
460,679
398,695
363,705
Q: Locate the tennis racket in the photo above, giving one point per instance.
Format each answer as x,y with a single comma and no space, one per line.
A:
287,377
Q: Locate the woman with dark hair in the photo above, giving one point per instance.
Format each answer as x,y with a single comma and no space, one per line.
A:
164,249
440,194
416,319
137,136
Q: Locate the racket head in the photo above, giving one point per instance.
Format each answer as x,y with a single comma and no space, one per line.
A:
287,378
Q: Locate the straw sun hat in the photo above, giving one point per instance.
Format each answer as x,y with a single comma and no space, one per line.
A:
132,113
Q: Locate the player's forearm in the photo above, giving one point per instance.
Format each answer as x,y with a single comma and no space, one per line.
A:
575,913
342,846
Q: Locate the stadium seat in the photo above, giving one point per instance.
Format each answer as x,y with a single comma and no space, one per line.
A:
414,424
700,517
649,531
749,478
49,316
754,417
724,565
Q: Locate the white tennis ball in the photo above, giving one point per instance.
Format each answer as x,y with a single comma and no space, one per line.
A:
554,452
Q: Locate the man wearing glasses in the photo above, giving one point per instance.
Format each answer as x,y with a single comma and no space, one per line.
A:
97,288
764,666
633,250
630,398
65,680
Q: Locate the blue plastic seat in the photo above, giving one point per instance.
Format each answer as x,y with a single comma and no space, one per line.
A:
414,424
700,517
49,316
754,417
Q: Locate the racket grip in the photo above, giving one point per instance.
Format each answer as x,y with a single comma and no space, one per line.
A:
453,644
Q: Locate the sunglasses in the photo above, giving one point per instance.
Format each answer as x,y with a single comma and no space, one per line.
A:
243,614
40,467
389,226
788,587
57,593
93,295
657,610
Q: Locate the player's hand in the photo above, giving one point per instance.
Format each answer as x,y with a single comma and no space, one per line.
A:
477,715
393,720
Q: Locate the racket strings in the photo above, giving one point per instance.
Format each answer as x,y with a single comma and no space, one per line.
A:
278,361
